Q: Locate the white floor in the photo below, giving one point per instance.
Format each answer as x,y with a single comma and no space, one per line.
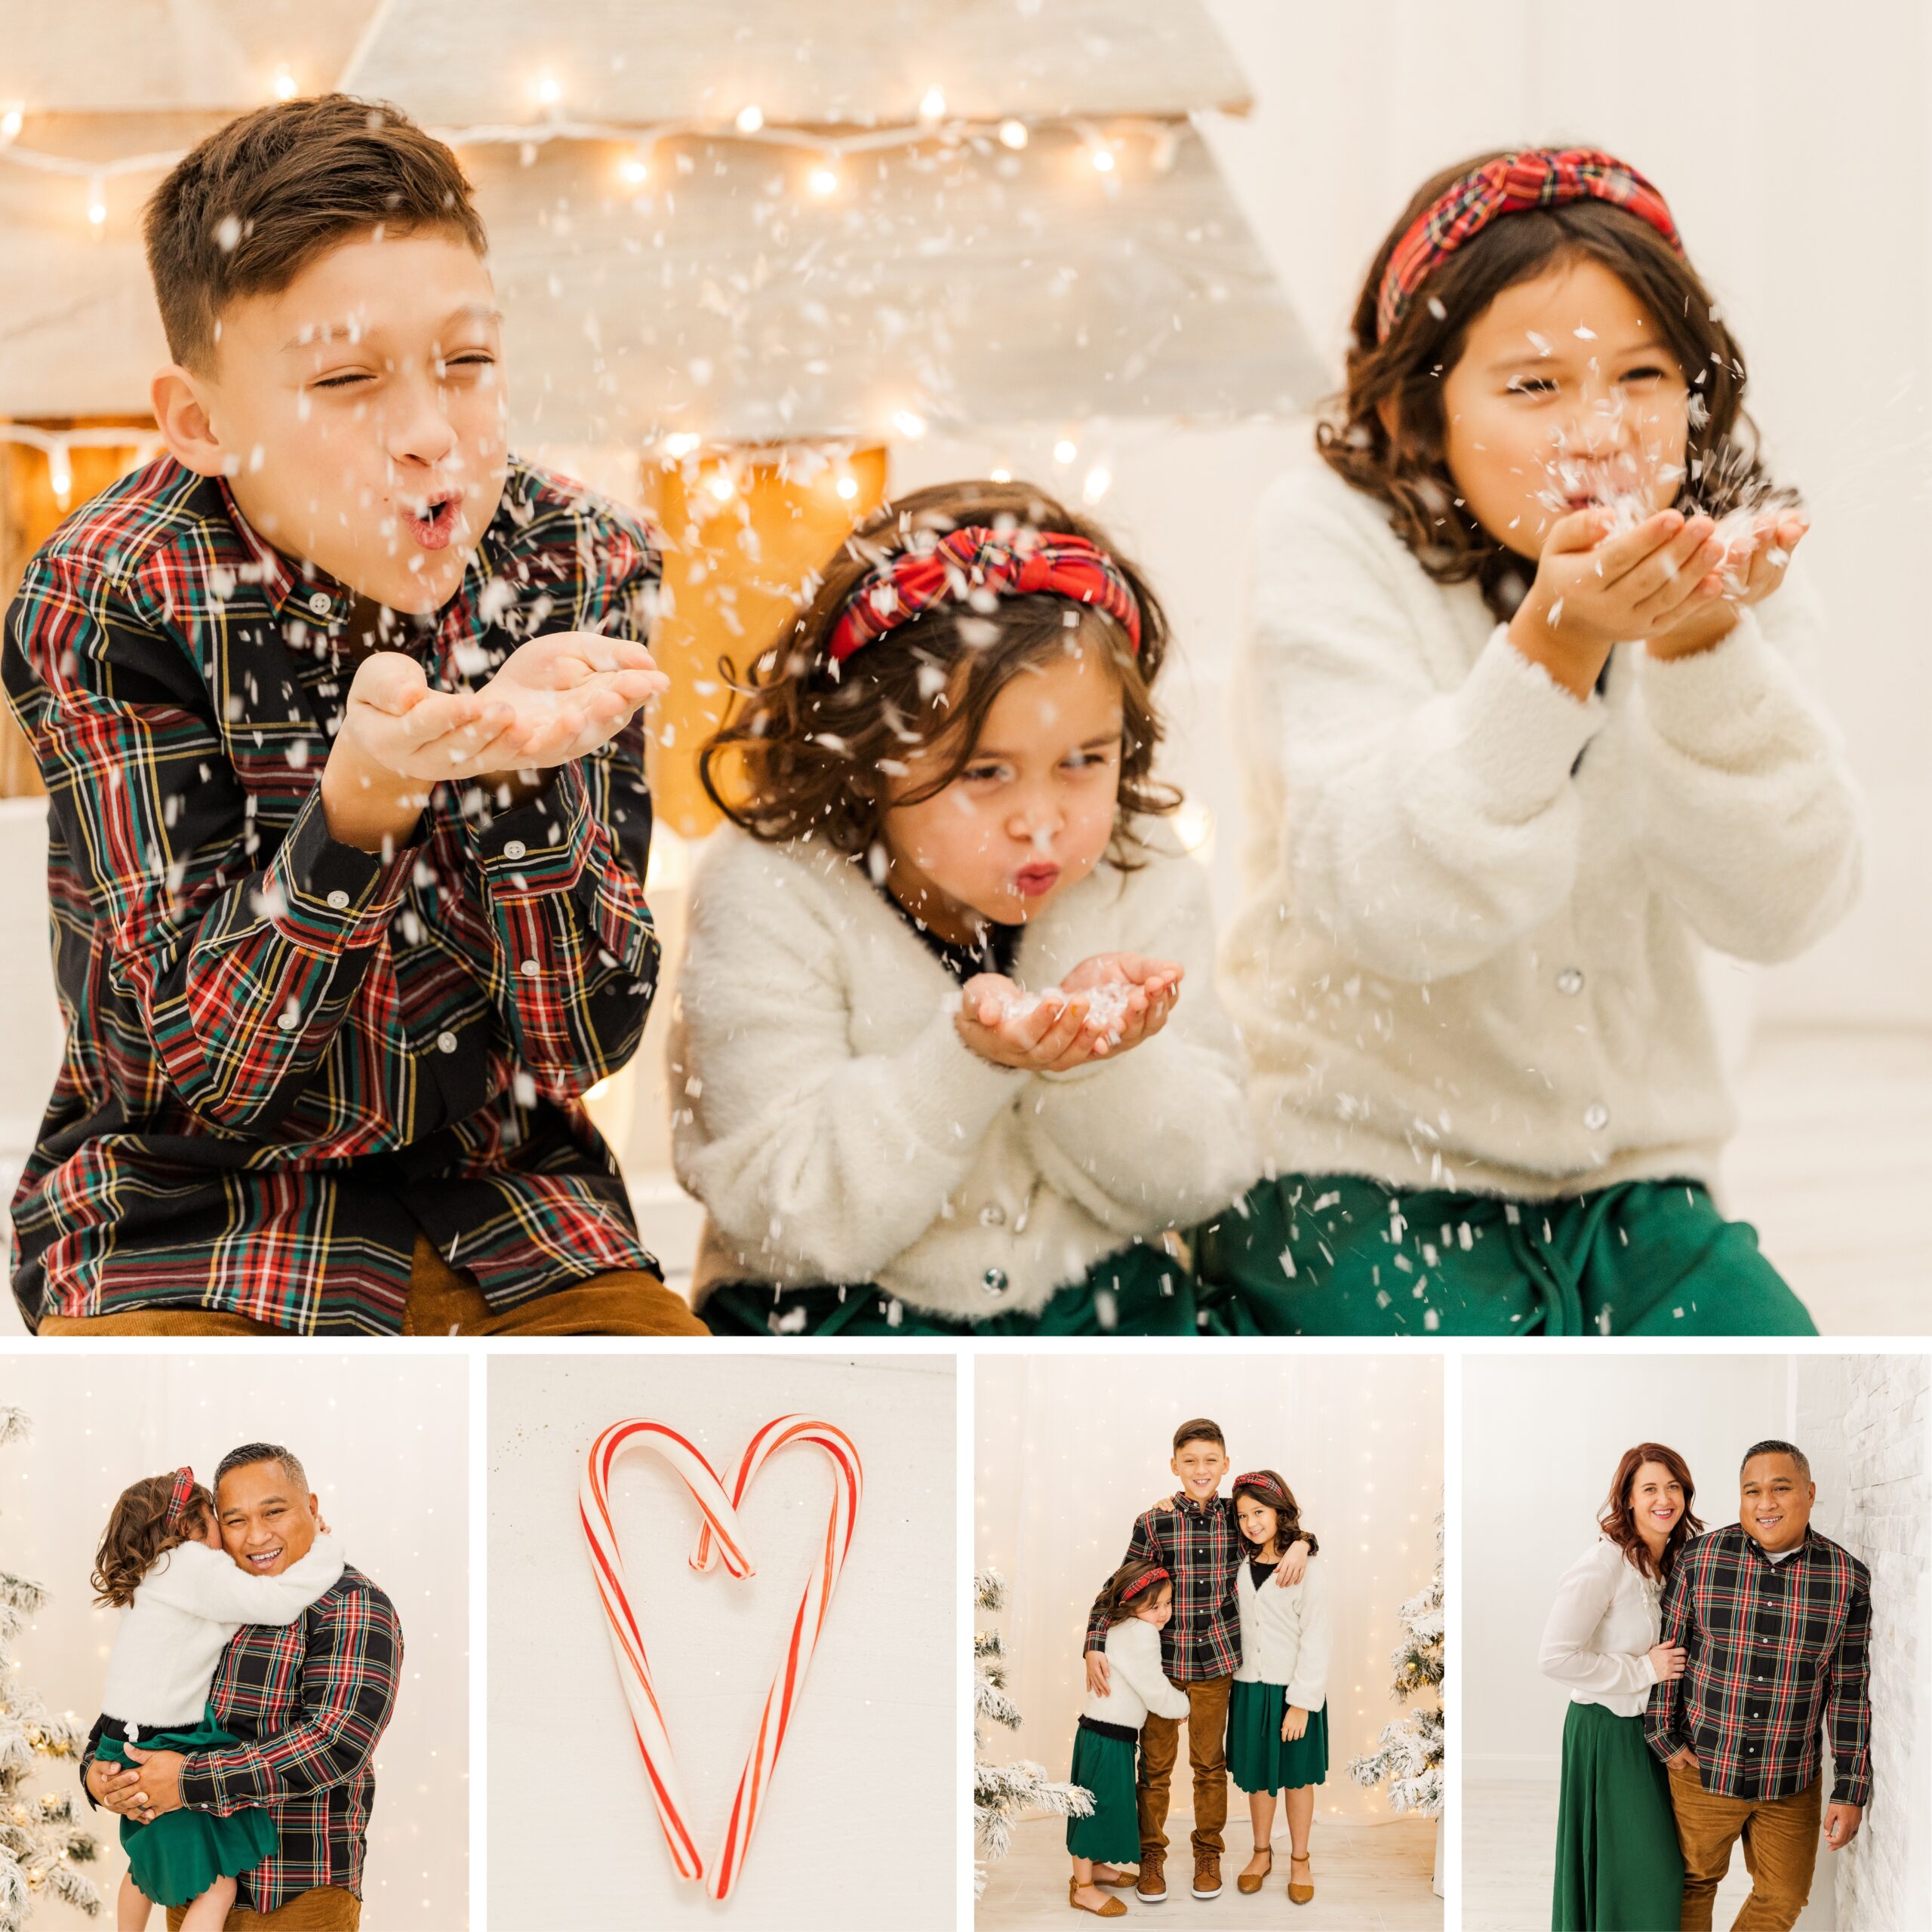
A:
1368,1878
1508,1862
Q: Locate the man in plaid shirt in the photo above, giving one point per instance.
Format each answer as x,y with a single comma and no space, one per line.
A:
1776,1619
1194,1536
337,708
308,1700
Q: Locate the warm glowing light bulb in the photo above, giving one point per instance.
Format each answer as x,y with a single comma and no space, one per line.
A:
1002,475
932,104
597,1092
97,203
59,474
1099,480
1066,449
847,486
283,83
1103,160
909,423
1013,134
720,485
751,117
681,443
823,180
12,120
634,169
1194,824
549,89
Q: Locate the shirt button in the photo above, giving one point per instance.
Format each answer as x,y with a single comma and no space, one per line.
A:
1570,981
530,969
340,900
289,1021
446,1042
319,603
992,1215
994,1281
1596,1116
515,848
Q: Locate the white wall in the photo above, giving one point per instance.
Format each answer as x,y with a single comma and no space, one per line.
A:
859,1829
1070,1449
385,1443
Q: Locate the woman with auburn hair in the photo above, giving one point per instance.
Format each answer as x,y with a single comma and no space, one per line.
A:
1618,1867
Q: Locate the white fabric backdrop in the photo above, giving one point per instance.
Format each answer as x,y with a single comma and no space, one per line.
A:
1070,1449
385,1445
859,1831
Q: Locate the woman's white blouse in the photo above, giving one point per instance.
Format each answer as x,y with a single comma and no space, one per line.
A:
1601,1629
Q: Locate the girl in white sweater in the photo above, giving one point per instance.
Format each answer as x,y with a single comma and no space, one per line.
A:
1136,1602
161,1561
948,1054
1522,738
1278,1710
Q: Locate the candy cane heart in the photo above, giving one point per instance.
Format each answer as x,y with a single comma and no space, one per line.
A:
647,1725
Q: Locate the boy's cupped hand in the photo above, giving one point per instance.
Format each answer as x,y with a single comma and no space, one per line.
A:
554,699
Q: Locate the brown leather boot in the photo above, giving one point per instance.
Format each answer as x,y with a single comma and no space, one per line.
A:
1151,1887
1249,1883
1299,1893
1207,1874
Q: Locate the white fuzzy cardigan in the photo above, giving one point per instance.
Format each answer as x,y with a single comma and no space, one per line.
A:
1462,960
1137,1687
1287,1635
830,1119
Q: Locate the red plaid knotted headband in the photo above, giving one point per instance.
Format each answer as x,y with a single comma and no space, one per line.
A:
973,559
1259,1480
178,1498
1536,178
1139,1583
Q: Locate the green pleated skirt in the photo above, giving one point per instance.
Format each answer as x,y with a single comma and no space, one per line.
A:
1105,1766
1142,1291
1618,1867
1258,1758
176,1859
1336,1254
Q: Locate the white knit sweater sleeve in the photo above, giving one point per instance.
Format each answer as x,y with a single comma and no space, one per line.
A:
1094,1134
1133,1649
1430,827
1309,1691
205,1583
1750,819
841,1159
1582,1598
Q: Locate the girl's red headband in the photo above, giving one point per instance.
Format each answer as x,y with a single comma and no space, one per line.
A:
1139,1583
1260,1480
178,1499
1535,178
972,562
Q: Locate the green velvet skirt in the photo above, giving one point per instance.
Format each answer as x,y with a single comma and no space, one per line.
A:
176,1859
1142,1291
1258,1758
1618,1867
1105,1766
1334,1255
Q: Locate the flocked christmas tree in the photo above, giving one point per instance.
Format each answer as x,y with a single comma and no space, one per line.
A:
40,1843
1001,1792
1407,1757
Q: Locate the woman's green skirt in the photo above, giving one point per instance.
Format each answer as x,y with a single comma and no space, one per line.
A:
1142,1291
1258,1759
1335,1255
1618,1867
176,1859
1104,1765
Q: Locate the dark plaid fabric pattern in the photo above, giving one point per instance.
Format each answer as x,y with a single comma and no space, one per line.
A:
285,1055
1200,1549
1777,1655
309,1700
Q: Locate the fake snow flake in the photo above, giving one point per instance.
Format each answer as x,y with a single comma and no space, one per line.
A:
1287,1260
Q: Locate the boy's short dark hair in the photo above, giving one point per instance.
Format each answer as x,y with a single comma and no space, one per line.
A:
247,210
1199,1430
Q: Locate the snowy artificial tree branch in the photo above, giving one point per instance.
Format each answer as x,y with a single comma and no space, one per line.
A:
1408,1756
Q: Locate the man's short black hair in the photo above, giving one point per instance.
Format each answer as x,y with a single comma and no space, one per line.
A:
1774,1447
263,1452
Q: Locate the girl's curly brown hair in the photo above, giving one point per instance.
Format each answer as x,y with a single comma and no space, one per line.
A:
1405,468
1113,1607
1287,1516
811,749
137,1536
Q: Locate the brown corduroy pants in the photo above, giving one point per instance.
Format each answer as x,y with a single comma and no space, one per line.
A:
626,1301
1208,1754
1780,1838
327,1908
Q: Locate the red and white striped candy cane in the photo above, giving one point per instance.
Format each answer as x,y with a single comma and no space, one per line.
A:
719,1535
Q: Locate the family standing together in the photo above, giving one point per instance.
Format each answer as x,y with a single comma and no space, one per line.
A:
338,707
1708,1675
1218,1618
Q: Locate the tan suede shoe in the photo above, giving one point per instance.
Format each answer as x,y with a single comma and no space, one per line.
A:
1120,1882
1207,1875
1151,1887
1249,1883
1300,1894
1112,1908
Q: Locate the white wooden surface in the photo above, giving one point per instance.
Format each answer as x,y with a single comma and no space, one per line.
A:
859,1828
